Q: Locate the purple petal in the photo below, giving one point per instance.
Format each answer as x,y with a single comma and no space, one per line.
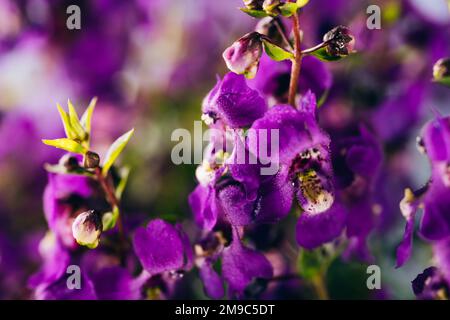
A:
435,224
233,102
160,247
115,283
59,290
405,248
441,250
234,203
436,139
203,204
314,230
297,131
241,264
275,198
211,281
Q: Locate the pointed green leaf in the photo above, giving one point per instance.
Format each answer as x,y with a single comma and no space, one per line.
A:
66,123
75,122
114,150
275,52
66,144
288,9
254,13
124,173
87,116
301,3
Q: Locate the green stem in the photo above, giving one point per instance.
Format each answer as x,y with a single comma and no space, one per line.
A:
320,287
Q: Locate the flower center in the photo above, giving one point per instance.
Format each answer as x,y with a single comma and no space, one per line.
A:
314,189
313,194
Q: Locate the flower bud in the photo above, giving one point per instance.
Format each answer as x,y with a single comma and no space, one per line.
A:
244,54
340,42
254,4
268,26
91,160
272,6
87,227
441,69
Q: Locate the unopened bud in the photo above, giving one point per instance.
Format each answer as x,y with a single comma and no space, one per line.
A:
87,228
272,6
244,54
91,160
340,42
441,69
254,4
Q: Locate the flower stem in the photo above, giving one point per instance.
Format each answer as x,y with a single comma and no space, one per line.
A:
110,197
296,62
320,287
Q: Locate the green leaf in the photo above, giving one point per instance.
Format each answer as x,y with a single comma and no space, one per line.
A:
109,219
75,122
323,55
288,9
66,123
66,144
87,116
124,174
301,3
114,151
254,13
275,52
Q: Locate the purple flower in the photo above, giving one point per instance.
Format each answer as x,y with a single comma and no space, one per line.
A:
67,195
240,265
101,279
306,171
431,285
435,224
272,79
232,103
162,247
357,159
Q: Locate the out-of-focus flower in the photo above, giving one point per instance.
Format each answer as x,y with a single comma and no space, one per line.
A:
431,285
435,224
66,196
162,247
272,79
104,279
357,160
